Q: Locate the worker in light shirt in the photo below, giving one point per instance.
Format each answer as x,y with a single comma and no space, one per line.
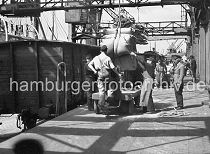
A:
96,65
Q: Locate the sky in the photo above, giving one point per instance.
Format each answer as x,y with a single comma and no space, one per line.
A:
141,14
154,14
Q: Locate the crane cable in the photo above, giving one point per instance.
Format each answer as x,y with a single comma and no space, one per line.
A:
61,26
119,22
118,33
49,27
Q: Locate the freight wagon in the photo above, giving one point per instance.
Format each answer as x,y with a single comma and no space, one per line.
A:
28,69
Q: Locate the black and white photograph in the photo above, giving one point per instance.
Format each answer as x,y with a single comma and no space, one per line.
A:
104,76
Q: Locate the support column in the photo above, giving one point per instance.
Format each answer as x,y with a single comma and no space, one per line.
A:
195,53
202,50
207,54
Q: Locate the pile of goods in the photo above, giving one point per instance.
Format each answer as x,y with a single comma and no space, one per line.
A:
121,42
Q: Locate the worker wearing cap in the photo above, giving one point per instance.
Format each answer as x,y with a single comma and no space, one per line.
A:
178,76
95,65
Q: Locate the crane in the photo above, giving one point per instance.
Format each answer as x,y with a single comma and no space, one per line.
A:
33,8
126,17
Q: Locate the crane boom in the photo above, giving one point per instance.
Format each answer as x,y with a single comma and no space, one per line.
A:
35,7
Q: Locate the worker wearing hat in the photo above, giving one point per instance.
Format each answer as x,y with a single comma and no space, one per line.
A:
148,67
178,76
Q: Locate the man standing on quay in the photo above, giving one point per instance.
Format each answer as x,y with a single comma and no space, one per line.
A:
96,66
178,72
90,77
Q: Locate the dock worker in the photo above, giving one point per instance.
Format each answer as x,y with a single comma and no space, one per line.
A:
100,65
161,70
90,77
146,100
178,72
193,67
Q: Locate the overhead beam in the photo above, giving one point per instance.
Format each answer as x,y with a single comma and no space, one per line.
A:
115,5
62,6
166,37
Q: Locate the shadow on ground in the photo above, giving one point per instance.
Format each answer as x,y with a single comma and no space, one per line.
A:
81,126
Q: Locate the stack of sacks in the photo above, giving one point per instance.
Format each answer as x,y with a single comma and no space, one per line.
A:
119,43
139,32
126,62
120,46
126,37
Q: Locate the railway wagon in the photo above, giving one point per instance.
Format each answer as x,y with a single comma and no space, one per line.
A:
29,72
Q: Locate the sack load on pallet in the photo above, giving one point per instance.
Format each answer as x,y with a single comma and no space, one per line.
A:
121,45
126,62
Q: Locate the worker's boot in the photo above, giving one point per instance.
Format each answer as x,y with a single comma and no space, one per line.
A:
144,109
90,105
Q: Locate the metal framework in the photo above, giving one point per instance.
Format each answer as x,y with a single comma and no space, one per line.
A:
166,28
33,8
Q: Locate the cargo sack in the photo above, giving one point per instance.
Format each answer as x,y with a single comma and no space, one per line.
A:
126,62
137,31
114,30
123,44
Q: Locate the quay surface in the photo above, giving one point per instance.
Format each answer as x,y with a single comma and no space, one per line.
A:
166,132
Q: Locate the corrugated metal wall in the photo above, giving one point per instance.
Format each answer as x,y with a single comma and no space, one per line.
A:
27,61
204,54
207,55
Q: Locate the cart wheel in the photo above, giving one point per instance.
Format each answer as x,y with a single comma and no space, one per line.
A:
96,108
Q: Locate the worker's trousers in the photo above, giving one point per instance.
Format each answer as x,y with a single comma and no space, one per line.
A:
102,89
178,93
146,94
